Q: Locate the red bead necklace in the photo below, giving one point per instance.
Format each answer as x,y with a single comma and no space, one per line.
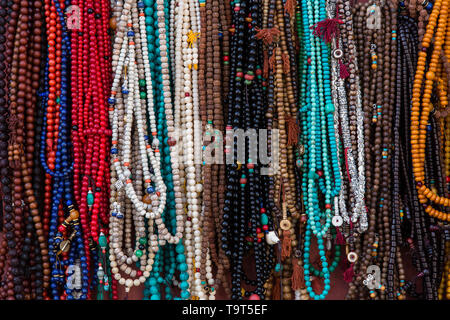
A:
91,78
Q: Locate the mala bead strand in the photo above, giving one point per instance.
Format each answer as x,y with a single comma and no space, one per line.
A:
205,47
361,10
418,116
405,60
225,24
396,236
189,111
285,17
174,190
388,218
213,173
320,116
222,34
16,125
375,63
91,185
355,162
231,210
130,96
7,35
22,90
33,222
242,178
5,182
65,235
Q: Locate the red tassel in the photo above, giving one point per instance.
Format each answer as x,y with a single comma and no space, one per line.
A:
339,237
293,131
297,279
265,64
349,274
286,245
343,72
12,121
317,284
327,29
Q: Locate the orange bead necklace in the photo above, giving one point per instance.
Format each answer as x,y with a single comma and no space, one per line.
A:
422,106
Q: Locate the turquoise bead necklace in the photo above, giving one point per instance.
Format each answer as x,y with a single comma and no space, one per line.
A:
320,162
171,254
334,263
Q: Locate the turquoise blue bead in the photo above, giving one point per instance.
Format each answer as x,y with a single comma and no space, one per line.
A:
185,295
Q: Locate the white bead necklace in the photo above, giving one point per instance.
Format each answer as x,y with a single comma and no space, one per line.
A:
131,152
186,106
120,205
183,111
153,202
170,119
195,16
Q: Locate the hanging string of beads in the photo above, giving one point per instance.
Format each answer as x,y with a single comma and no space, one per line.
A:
90,122
67,257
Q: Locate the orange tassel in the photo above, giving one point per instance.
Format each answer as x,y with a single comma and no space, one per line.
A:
286,63
276,291
289,7
286,245
267,35
272,60
293,131
298,278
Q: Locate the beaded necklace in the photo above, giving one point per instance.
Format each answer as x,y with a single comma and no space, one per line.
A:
127,105
14,205
244,205
212,65
65,240
422,128
289,181
381,245
403,200
21,219
371,60
160,70
419,116
155,280
354,187
186,114
317,113
6,208
33,227
89,122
